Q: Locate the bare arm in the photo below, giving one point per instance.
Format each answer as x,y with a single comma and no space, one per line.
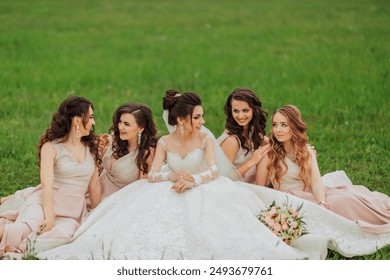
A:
262,174
149,162
94,189
317,186
48,154
231,147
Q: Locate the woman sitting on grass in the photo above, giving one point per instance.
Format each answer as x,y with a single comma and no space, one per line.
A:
68,160
128,149
243,141
291,166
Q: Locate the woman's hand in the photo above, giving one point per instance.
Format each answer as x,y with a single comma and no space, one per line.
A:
175,176
313,148
260,153
181,185
46,225
324,204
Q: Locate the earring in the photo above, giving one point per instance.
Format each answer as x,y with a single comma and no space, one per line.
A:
139,137
182,130
78,134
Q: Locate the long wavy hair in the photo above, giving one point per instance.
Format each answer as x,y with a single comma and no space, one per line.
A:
256,125
180,104
61,124
277,154
144,119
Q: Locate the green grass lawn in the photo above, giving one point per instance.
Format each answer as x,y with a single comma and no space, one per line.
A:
330,58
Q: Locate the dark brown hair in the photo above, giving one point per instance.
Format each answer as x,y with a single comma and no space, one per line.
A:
180,105
258,121
144,119
61,124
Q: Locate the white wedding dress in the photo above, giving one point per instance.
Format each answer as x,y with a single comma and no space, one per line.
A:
214,220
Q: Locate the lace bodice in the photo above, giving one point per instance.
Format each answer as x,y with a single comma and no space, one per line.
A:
194,162
199,161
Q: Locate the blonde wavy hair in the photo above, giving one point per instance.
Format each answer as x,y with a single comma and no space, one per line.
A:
300,140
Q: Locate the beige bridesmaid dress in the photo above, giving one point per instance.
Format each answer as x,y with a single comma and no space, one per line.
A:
71,180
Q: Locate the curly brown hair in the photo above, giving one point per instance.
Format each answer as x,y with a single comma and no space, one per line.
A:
258,122
144,119
74,106
300,140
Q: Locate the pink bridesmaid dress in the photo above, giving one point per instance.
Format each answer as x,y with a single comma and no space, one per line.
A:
119,173
71,180
369,209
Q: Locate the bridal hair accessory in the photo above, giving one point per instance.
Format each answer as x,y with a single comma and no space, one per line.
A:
177,94
284,221
171,128
139,137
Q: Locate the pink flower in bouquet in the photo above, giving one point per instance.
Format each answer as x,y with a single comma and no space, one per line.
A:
277,227
272,211
284,221
270,222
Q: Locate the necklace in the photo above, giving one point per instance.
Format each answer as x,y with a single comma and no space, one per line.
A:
292,156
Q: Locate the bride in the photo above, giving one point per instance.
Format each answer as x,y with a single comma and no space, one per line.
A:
191,211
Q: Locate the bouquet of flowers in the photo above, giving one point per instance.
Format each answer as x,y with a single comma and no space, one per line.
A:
284,221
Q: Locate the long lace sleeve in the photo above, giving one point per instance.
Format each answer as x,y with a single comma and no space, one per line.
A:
156,173
212,169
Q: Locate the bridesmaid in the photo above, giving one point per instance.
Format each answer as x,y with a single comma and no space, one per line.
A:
128,149
292,167
243,141
68,157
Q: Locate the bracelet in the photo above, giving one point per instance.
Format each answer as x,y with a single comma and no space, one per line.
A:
325,204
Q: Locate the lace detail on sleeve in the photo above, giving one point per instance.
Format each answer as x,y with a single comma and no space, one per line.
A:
156,173
212,169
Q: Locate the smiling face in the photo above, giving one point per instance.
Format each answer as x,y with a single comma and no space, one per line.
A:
242,113
281,128
196,119
85,129
128,127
